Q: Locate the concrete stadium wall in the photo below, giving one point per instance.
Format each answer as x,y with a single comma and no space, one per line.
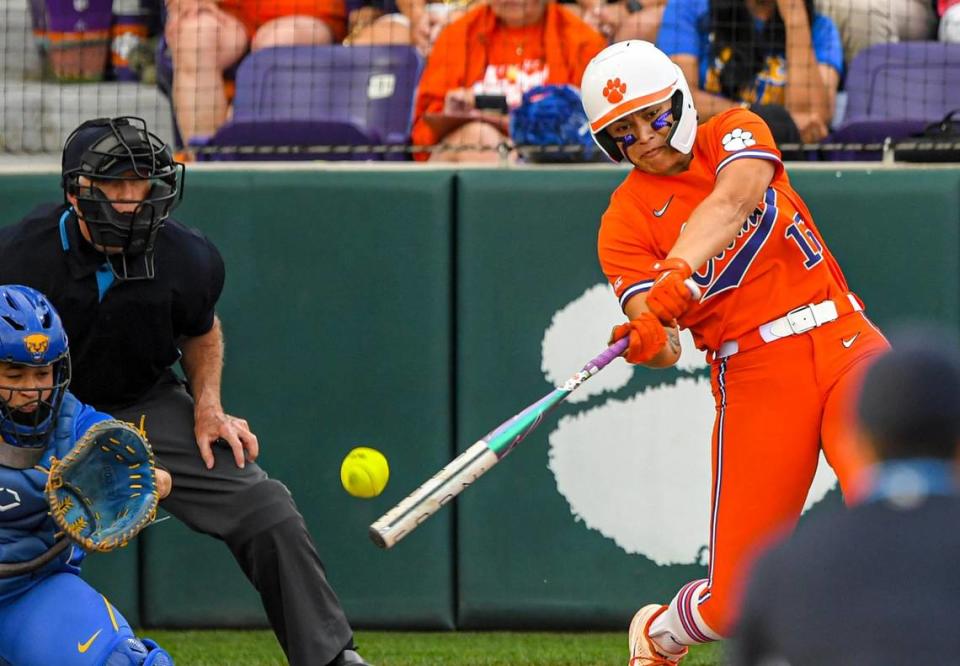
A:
412,311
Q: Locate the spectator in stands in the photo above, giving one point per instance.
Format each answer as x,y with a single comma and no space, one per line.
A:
416,23
419,22
499,48
949,11
621,20
739,53
876,584
207,37
863,23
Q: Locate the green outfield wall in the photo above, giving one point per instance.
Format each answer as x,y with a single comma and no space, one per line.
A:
412,311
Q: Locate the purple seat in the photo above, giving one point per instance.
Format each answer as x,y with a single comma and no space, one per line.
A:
895,90
301,96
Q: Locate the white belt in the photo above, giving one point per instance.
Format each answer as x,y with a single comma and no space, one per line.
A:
797,321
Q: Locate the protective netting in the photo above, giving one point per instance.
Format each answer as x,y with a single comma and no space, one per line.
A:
480,80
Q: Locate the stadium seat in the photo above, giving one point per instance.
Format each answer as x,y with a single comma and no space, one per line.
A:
322,95
895,91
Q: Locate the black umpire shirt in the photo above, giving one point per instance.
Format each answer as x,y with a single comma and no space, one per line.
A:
876,585
124,334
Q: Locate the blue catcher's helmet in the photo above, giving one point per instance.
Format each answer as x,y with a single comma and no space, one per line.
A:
31,334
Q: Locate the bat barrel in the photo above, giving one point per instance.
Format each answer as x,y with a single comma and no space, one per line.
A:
426,500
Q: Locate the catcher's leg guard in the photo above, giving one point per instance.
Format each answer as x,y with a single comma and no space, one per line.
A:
132,651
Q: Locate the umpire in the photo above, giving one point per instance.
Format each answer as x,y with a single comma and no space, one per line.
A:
877,584
137,293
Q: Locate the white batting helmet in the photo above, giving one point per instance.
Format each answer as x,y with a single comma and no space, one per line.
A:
628,76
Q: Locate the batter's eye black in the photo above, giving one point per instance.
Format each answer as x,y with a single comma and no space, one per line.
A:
661,121
657,124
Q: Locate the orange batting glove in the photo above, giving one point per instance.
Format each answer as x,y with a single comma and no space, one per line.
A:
647,337
670,296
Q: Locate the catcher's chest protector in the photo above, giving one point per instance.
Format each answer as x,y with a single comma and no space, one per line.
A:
26,529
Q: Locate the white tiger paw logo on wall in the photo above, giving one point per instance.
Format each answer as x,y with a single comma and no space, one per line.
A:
635,465
738,139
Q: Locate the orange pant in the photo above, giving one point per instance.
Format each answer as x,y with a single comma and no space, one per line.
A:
254,13
777,405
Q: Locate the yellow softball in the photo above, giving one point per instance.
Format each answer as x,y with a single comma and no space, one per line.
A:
364,472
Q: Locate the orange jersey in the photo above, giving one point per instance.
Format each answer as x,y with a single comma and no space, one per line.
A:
777,262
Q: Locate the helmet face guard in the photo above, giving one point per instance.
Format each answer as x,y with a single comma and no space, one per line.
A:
116,150
31,335
32,422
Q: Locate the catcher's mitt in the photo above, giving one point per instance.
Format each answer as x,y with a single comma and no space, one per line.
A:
104,491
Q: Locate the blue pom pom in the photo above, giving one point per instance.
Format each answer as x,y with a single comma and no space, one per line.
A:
553,116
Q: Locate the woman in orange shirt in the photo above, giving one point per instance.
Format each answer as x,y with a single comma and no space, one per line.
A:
505,47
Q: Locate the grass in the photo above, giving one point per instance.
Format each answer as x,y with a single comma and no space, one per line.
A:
388,648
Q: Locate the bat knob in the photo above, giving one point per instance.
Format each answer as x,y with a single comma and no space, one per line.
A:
377,538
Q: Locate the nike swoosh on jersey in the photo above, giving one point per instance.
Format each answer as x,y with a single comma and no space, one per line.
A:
659,213
83,647
849,341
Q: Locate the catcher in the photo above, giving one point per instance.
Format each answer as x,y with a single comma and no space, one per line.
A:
65,469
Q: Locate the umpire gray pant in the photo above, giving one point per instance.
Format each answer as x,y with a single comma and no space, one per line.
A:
255,516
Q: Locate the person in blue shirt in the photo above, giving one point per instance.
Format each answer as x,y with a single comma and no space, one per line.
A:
875,584
777,57
48,615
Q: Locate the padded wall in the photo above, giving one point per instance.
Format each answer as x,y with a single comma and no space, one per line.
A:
605,507
415,310
336,313
337,319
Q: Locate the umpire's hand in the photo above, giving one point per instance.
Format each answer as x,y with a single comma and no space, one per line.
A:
164,483
211,424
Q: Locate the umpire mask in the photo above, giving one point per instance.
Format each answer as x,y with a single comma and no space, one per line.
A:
115,150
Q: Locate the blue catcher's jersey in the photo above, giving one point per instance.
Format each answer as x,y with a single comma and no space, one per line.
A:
26,528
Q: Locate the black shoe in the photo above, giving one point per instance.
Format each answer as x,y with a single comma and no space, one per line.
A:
349,658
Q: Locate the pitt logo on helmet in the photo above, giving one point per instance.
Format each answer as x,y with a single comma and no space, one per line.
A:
37,344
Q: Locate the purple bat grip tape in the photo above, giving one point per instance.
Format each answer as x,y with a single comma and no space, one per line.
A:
609,354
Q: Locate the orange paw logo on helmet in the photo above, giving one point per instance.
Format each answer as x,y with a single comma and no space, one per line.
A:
614,90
